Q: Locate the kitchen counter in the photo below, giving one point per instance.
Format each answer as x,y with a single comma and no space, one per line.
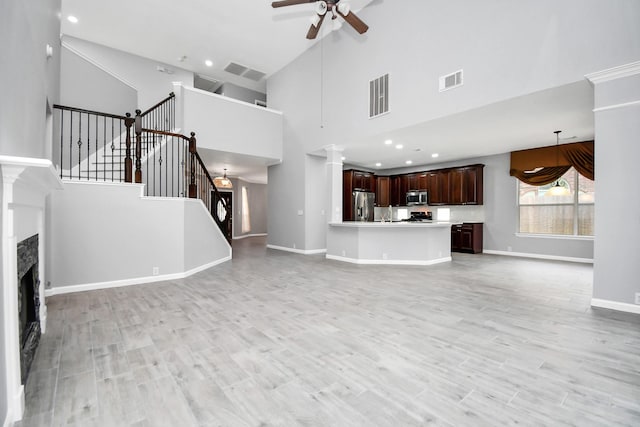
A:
400,243
392,224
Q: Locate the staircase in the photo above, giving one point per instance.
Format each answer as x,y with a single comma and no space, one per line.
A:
147,149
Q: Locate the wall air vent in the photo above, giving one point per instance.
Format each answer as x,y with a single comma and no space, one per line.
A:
450,81
379,96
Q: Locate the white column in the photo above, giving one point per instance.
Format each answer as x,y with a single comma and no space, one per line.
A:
617,208
334,183
15,390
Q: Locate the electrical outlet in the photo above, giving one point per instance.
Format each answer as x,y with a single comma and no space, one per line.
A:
384,255
509,248
638,298
344,253
156,271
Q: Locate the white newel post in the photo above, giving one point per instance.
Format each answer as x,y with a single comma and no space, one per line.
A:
334,183
178,91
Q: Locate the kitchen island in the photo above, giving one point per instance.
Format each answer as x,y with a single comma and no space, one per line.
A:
400,243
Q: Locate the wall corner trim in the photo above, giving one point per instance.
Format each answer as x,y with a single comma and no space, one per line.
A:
615,305
614,73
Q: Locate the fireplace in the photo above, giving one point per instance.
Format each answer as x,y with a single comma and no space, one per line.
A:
28,303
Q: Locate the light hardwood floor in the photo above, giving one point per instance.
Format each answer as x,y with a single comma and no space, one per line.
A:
274,338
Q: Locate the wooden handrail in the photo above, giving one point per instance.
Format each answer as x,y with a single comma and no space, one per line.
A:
171,95
81,110
165,133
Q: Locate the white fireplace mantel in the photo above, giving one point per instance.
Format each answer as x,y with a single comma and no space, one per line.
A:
26,182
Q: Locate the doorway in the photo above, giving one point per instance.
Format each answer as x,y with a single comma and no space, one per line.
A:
224,216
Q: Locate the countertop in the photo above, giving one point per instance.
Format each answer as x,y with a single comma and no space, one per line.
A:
401,224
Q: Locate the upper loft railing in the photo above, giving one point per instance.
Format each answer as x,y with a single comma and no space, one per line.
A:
96,146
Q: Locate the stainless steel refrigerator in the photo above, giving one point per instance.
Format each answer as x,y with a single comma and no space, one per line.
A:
363,205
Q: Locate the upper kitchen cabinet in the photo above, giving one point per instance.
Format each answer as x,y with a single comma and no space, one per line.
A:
466,185
438,187
394,192
383,192
361,181
417,181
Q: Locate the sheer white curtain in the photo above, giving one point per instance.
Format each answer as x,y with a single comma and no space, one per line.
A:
246,218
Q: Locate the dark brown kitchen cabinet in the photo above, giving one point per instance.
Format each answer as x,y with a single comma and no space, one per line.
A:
383,191
394,191
354,180
363,181
438,187
467,237
417,181
466,185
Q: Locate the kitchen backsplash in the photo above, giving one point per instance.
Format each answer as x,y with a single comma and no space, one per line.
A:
455,213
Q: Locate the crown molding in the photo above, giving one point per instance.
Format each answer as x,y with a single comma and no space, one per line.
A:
614,73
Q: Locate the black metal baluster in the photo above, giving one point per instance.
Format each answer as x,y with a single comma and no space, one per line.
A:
61,141
79,144
71,147
120,151
88,146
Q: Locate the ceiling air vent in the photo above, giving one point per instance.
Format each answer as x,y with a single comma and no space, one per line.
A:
242,71
451,80
379,96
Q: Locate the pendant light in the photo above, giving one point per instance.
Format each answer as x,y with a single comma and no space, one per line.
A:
222,181
557,189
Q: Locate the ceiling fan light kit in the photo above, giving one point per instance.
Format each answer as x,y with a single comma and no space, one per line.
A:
322,7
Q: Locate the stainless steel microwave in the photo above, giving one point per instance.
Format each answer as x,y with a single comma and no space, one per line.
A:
417,198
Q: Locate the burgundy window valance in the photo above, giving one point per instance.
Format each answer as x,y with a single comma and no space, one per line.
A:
554,160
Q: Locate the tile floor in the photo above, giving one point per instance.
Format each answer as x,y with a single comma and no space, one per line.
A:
273,338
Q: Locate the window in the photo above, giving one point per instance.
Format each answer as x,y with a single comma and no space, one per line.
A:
571,215
246,219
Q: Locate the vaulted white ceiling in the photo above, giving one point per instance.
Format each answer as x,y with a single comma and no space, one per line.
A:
253,34
247,32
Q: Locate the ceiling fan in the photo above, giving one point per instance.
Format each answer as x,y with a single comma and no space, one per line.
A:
322,7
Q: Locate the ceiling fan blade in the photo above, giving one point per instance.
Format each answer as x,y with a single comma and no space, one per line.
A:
354,21
283,3
314,29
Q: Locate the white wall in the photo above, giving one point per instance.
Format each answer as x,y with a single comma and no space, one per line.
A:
507,49
84,85
140,73
109,233
31,82
257,195
241,93
617,215
225,124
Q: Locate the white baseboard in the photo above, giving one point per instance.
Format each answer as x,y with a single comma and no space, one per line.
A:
387,261
129,282
298,251
615,305
244,236
539,256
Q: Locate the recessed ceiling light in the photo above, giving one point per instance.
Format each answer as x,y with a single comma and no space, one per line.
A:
408,162
434,155
388,142
399,146
72,19
378,164
208,63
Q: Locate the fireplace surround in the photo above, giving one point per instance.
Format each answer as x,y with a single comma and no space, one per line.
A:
26,182
28,303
